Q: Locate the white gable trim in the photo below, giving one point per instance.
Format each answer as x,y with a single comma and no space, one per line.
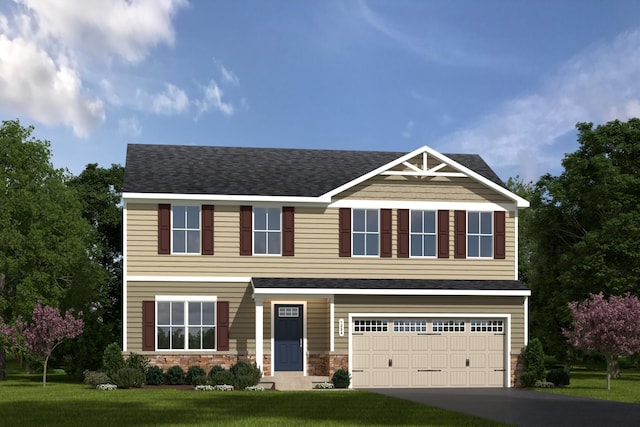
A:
309,292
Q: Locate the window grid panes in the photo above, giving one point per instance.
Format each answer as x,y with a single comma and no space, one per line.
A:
267,236
186,325
366,232
423,233
370,326
288,312
447,326
409,326
487,326
186,229
479,235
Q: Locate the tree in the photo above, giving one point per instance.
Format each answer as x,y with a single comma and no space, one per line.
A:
44,240
611,327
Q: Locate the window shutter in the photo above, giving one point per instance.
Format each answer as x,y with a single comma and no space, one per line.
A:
222,326
164,229
287,231
246,230
344,219
207,229
443,234
499,233
460,234
148,325
403,233
385,233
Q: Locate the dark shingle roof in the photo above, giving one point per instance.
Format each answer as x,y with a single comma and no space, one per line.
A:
184,169
391,284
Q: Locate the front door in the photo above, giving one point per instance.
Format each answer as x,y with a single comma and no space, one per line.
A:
288,337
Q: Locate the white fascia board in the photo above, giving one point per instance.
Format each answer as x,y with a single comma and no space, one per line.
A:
420,205
389,292
194,279
125,278
222,198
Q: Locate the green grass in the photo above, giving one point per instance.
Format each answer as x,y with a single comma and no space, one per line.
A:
593,383
24,402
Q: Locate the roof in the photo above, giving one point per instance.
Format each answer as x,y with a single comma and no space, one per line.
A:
185,169
388,284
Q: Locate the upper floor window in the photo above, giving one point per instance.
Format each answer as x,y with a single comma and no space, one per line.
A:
366,232
186,229
267,237
423,233
479,234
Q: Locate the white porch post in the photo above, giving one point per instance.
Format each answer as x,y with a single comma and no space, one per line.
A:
259,332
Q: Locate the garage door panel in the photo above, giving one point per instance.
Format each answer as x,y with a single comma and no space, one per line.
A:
457,378
380,343
477,378
457,343
381,378
420,379
400,379
439,379
361,361
439,361
439,343
379,361
477,343
495,378
361,343
419,360
477,361
400,343
400,361
457,360
420,342
495,343
495,360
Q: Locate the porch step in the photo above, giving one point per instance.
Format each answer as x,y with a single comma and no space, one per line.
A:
291,381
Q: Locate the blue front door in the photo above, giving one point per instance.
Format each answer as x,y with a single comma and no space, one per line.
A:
288,337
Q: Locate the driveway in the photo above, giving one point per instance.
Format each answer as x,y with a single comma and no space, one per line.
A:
523,407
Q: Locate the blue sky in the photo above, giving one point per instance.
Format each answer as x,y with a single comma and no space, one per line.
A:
505,79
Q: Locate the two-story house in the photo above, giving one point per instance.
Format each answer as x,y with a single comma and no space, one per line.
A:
400,267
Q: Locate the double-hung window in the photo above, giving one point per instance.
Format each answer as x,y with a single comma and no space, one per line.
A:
186,325
479,235
366,232
423,233
186,229
267,231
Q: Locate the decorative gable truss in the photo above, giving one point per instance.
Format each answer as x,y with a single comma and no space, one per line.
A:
425,166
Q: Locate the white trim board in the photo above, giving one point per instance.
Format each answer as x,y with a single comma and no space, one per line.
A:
322,293
215,279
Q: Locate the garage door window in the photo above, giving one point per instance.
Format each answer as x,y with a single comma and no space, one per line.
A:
370,326
447,326
409,326
487,326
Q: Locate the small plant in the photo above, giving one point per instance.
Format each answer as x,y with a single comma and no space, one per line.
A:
155,375
558,376
223,387
112,359
128,378
106,387
254,388
323,386
204,387
245,374
138,361
528,379
94,378
534,359
194,371
341,378
219,377
174,375
543,384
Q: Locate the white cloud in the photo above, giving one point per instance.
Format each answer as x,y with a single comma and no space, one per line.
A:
229,76
172,100
598,85
130,127
212,97
407,133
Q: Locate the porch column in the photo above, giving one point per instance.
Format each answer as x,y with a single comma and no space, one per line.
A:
259,332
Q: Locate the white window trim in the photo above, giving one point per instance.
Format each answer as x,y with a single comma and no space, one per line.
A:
253,230
186,229
423,233
185,299
365,233
479,234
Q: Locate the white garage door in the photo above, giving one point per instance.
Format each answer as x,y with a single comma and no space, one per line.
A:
428,353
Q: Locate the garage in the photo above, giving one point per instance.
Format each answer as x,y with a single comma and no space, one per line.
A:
428,352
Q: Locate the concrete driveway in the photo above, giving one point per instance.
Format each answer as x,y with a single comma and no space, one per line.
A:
524,407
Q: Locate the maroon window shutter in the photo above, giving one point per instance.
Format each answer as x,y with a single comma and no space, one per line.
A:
207,229
344,219
403,233
287,231
148,325
443,234
499,233
460,234
385,233
222,326
164,229
246,230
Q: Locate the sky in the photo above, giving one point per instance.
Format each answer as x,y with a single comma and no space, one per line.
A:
506,79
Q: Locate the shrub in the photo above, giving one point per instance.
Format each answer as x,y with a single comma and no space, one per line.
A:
194,371
174,375
558,376
534,359
128,378
112,359
138,361
93,378
199,380
245,375
221,377
341,378
155,375
528,379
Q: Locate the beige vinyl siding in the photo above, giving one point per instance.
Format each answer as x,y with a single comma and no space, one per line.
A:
345,304
316,252
241,309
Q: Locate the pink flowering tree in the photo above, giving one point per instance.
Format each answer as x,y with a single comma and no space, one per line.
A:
609,326
48,328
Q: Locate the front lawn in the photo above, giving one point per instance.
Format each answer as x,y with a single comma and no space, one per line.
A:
593,383
24,402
